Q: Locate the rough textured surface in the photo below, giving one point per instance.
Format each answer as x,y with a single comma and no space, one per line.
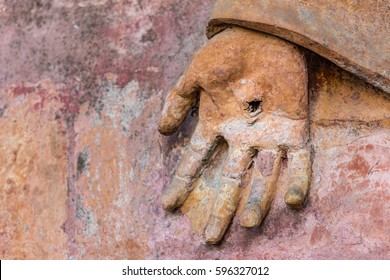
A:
82,166
352,34
82,163
230,79
33,171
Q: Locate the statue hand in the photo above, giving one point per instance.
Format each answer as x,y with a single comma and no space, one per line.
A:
252,94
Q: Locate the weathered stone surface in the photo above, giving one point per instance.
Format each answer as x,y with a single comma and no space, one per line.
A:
107,65
350,182
82,88
33,173
231,78
352,34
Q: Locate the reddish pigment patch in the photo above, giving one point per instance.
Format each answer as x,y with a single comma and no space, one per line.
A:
70,100
22,90
320,234
360,165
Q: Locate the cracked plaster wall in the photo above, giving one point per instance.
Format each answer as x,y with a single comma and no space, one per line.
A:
82,166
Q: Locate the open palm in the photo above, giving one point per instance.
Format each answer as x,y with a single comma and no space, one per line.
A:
252,93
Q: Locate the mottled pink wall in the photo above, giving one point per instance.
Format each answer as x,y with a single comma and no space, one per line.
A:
82,166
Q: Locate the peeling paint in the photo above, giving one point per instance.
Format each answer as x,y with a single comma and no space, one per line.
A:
124,103
92,79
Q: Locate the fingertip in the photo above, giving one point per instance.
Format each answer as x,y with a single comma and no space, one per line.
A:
164,130
251,217
165,127
294,197
214,231
175,194
166,203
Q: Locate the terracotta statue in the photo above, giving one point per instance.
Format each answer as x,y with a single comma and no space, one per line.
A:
252,91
